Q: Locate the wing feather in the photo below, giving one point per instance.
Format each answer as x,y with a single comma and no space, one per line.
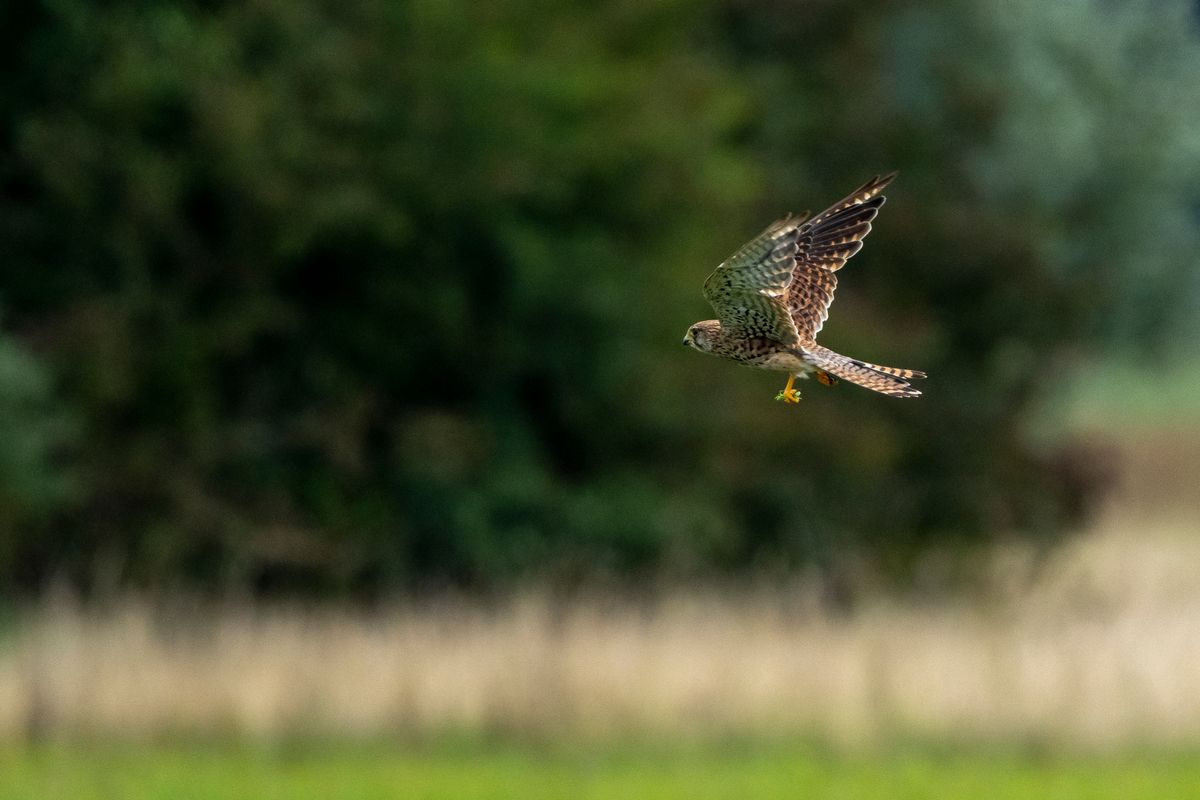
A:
749,289
823,246
780,284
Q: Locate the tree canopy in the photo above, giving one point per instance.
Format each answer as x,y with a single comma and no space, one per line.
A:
367,296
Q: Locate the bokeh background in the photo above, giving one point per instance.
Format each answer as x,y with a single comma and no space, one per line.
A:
341,398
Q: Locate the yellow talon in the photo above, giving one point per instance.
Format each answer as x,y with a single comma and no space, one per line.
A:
825,378
789,395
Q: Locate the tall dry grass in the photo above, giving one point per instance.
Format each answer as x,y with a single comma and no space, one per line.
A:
1097,647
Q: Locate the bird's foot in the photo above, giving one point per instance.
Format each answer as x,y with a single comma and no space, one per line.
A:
825,378
790,396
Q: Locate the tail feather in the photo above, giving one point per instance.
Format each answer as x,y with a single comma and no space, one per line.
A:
885,380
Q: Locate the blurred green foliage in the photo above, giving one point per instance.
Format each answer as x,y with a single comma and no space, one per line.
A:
35,431
368,295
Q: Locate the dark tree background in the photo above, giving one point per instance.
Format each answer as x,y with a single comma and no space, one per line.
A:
371,296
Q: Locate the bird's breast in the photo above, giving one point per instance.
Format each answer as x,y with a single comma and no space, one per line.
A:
782,360
764,354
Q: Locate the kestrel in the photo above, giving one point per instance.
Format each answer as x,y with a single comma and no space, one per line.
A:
772,297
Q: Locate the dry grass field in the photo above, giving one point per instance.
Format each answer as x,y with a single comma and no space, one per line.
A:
1071,674
1094,647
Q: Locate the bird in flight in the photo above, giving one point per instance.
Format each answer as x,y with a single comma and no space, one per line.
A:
772,296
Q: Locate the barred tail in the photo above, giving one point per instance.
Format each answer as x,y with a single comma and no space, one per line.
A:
885,380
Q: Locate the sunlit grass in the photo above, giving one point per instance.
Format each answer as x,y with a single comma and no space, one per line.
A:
1089,649
739,770
1126,396
1094,649
432,773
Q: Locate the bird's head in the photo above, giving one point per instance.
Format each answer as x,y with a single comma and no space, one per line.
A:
702,335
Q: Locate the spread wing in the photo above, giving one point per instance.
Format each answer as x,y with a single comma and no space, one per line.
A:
823,245
748,290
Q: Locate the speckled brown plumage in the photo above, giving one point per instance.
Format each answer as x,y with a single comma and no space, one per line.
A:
772,297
